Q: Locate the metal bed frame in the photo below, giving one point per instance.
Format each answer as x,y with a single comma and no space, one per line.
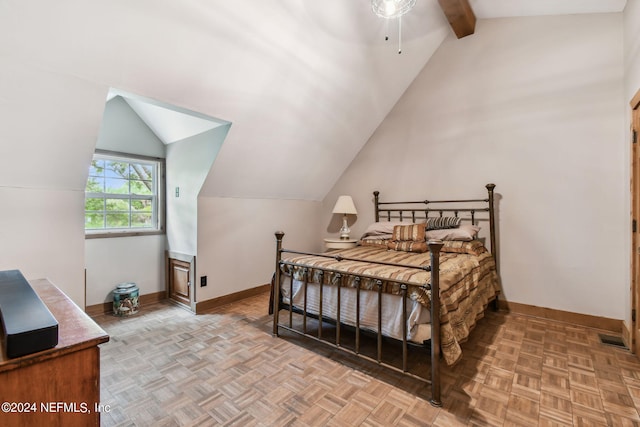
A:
392,211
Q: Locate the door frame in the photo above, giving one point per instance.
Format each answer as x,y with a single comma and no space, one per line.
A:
191,259
634,333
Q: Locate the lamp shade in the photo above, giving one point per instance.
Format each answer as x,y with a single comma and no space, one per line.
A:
345,205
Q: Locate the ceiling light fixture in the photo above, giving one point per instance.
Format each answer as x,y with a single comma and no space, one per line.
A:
391,9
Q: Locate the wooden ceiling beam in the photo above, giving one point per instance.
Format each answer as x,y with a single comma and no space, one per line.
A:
460,16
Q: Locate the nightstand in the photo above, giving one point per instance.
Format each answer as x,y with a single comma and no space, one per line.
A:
331,244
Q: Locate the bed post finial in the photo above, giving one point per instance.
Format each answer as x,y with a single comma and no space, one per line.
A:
492,223
276,282
375,197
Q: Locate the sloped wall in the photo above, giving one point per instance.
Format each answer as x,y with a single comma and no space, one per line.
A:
311,82
121,129
535,106
49,128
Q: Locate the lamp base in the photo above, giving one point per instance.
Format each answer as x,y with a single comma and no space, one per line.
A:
344,231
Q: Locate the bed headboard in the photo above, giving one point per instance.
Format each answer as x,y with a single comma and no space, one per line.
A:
468,209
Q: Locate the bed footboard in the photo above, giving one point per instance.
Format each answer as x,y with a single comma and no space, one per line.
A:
337,278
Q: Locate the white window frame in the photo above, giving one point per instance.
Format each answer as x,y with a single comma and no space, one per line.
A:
157,198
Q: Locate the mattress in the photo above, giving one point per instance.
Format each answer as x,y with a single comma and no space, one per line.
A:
468,282
418,316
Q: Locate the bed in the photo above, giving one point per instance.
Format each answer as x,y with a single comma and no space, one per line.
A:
421,275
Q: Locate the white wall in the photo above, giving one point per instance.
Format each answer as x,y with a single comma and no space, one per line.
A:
115,260
42,235
188,164
631,50
139,259
236,242
49,127
533,105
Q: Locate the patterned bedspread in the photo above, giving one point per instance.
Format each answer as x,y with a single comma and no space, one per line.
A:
468,282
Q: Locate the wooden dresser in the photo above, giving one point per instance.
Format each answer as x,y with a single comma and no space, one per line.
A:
59,386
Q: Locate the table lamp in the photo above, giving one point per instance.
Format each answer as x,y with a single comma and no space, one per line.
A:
344,206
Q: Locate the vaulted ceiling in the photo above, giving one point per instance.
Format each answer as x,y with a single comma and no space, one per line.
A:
304,83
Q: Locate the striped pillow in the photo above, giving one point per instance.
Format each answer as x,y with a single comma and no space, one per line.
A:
378,243
407,246
443,222
413,232
474,247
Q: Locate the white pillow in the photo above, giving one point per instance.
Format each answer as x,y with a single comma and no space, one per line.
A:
465,232
382,227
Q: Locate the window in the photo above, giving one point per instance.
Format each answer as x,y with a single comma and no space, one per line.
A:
123,195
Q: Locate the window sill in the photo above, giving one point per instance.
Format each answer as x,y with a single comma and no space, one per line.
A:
121,233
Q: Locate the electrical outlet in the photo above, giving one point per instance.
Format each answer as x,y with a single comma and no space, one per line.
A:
203,281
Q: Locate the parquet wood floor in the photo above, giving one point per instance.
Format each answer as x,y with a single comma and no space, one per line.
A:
168,367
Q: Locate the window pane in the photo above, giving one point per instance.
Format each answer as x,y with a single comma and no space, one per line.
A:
93,204
93,220
113,205
141,206
117,186
144,220
97,168
116,169
117,220
141,171
142,188
95,184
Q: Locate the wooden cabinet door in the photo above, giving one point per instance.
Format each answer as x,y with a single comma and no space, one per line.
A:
180,281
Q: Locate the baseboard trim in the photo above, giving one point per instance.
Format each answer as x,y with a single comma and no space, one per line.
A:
107,307
204,306
603,323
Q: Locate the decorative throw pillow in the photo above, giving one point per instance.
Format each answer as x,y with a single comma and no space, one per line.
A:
413,232
407,246
443,222
474,247
372,241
